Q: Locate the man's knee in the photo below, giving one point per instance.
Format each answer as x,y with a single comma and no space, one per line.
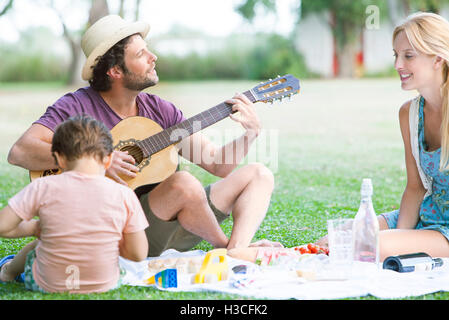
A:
187,187
262,174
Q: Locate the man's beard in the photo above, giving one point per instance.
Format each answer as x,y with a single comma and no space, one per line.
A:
132,81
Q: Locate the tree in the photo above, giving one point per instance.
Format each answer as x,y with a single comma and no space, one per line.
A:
98,9
6,7
346,20
136,10
399,9
425,5
121,11
248,8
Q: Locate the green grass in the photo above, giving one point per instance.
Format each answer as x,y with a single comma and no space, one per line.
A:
326,139
20,86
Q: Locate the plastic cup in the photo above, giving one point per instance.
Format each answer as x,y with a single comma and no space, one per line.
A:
340,241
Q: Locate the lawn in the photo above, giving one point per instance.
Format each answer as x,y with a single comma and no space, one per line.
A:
319,146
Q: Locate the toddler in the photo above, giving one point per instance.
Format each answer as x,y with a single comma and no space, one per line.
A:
85,219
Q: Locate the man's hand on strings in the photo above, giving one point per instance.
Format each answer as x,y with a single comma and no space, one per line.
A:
122,164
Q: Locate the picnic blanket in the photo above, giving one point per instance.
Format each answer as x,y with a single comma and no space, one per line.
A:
283,283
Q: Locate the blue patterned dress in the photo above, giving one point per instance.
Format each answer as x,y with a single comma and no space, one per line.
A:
434,210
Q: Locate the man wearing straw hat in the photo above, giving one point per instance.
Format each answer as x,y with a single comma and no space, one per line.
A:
180,211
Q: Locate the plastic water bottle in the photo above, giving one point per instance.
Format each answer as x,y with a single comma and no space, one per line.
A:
366,228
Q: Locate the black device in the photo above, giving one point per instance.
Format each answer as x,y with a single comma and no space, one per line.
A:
412,262
240,269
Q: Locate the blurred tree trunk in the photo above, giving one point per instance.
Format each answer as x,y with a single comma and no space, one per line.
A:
76,53
346,55
98,9
6,8
121,10
136,11
347,19
346,35
398,10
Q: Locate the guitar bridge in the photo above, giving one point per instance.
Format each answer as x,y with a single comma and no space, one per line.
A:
131,146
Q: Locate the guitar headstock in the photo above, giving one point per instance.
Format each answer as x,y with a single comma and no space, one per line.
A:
276,89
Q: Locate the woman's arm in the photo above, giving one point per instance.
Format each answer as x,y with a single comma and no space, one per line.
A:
414,190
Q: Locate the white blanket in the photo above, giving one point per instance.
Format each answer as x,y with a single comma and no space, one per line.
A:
277,283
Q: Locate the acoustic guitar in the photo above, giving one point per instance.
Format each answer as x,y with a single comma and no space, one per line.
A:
153,148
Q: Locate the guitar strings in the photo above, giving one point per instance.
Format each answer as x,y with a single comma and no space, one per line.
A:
206,116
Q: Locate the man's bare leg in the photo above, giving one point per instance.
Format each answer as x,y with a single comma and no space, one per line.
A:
247,193
181,196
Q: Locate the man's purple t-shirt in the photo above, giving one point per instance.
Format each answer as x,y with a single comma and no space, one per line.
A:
88,101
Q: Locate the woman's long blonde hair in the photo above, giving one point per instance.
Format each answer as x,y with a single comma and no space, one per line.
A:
428,33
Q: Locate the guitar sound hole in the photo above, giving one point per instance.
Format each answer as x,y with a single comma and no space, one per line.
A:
50,172
135,152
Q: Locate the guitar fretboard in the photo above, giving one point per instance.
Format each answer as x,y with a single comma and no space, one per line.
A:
176,133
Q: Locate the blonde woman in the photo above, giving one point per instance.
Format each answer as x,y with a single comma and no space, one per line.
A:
421,50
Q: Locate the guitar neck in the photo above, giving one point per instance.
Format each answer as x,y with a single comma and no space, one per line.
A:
176,133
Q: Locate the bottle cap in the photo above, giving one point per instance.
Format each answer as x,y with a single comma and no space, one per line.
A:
367,187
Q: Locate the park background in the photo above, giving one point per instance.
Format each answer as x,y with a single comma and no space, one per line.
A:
342,126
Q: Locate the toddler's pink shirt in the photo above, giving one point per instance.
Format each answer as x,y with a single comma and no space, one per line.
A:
82,220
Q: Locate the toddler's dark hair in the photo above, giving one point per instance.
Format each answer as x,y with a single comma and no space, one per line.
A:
81,136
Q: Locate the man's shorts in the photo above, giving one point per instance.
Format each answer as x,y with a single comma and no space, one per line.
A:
163,235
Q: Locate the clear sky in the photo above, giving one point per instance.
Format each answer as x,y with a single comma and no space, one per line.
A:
213,17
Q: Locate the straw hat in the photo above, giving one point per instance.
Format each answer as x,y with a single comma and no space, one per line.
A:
103,35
